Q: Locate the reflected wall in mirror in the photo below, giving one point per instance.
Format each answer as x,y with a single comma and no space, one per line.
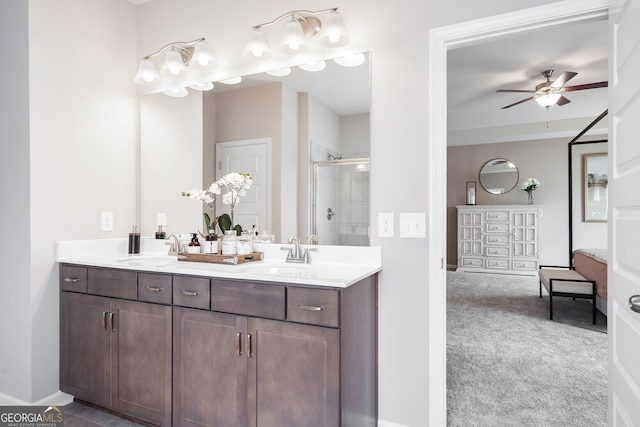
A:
499,176
307,116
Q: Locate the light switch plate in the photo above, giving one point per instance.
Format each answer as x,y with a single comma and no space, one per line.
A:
106,221
385,225
413,225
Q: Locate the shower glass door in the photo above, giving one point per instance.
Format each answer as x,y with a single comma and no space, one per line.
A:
340,214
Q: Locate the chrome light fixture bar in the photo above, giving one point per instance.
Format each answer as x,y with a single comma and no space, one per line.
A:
183,61
301,26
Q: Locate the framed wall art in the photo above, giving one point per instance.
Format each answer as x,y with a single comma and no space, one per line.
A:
595,182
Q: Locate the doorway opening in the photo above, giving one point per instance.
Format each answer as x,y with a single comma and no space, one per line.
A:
441,40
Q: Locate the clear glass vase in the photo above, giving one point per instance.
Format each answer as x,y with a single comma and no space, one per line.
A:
530,197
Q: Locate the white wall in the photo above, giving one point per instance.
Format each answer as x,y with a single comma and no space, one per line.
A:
356,135
84,154
69,154
397,36
15,292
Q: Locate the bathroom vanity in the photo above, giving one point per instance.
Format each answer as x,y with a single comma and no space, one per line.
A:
258,344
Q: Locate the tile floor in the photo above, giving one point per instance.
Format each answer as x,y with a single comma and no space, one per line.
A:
77,414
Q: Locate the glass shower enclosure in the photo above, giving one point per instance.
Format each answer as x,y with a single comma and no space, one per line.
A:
340,203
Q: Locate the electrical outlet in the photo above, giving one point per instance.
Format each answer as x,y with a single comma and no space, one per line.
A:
413,225
161,218
385,225
106,221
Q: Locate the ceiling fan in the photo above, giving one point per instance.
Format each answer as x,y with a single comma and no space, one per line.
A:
550,92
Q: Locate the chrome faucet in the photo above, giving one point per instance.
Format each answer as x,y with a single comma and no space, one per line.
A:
296,254
176,246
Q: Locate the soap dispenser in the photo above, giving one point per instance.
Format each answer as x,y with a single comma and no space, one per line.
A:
194,244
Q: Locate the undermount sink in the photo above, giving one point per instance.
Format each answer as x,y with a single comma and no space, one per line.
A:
149,261
281,271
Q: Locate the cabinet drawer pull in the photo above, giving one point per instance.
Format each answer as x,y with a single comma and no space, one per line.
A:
189,293
104,319
311,307
153,289
249,345
111,321
239,344
71,279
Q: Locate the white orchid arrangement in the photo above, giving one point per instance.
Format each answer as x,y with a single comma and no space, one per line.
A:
529,185
235,184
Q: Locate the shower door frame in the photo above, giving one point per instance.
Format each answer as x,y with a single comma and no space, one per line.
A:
314,189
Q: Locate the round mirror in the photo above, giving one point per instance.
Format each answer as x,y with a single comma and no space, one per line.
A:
499,176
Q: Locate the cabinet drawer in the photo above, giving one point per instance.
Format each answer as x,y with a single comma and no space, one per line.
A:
314,306
472,262
497,251
497,227
498,264
497,215
113,283
497,239
249,299
191,292
525,265
155,288
73,279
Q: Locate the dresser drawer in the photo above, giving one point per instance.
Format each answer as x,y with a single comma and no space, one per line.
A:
313,306
472,262
499,251
498,264
249,299
497,215
73,279
113,283
497,227
497,239
191,292
155,288
525,265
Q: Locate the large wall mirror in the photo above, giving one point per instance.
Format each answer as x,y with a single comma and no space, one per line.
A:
499,176
304,117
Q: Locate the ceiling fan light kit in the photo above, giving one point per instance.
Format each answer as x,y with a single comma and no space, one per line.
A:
549,93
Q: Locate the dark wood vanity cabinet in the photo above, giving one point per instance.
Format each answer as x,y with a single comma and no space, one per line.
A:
114,352
226,353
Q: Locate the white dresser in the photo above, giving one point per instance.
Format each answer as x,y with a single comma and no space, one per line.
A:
499,238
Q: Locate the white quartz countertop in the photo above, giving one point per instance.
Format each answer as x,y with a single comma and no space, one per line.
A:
330,266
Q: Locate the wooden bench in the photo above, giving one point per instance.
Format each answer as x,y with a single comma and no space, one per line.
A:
566,282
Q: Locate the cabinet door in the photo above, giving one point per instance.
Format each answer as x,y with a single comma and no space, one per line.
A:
210,369
141,373
294,375
84,347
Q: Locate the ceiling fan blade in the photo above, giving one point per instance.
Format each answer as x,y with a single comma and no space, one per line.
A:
516,90
562,100
516,103
586,86
562,79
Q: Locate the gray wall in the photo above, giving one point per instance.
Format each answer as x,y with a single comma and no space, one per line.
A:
545,160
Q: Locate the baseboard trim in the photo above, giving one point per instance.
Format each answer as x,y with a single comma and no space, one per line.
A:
56,399
383,423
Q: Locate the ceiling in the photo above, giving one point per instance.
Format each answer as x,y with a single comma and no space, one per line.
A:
475,73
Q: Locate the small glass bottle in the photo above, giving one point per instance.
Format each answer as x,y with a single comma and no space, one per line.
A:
194,244
210,244
230,243
245,243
